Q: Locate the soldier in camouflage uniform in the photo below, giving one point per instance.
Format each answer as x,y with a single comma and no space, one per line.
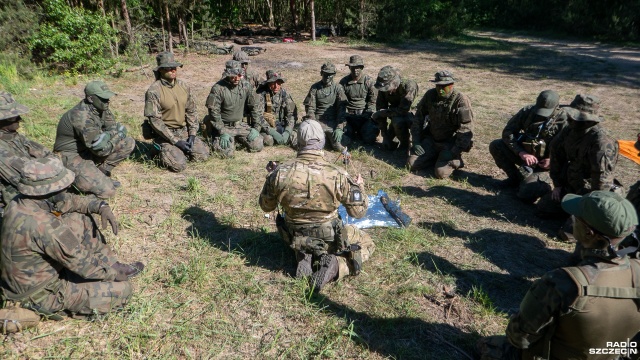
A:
279,111
395,96
91,143
442,128
574,309
247,75
583,156
325,103
523,152
46,265
309,189
361,102
226,104
171,113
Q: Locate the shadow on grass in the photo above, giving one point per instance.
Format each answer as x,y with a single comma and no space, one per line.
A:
258,248
402,337
143,152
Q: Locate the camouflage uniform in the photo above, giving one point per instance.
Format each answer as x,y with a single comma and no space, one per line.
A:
395,105
247,75
91,143
226,103
280,112
52,261
361,104
530,132
443,128
326,104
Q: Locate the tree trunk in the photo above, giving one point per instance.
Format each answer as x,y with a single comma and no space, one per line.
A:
294,14
101,7
180,32
313,20
127,20
270,5
361,19
185,34
164,42
168,21
113,24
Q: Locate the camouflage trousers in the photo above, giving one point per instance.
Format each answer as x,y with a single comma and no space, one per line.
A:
532,185
361,126
238,132
397,127
438,154
92,172
173,158
329,126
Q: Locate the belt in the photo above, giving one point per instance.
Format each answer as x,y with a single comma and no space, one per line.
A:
355,112
230,124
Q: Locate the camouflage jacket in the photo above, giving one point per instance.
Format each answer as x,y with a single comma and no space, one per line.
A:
583,161
158,109
526,126
326,104
310,190
448,119
79,126
283,108
252,78
398,103
361,94
226,103
37,246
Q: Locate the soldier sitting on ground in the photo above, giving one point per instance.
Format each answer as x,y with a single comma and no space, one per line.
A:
279,111
361,102
523,152
91,143
309,189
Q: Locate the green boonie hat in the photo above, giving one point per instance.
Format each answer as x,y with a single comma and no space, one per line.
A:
443,77
166,59
547,102
605,211
273,76
9,107
99,89
44,176
355,60
232,68
328,68
241,57
386,75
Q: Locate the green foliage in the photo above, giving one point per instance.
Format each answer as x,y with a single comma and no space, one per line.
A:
73,39
17,22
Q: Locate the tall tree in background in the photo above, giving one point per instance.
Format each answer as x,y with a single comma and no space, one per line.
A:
127,20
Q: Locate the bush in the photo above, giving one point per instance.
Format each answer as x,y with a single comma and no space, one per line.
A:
73,39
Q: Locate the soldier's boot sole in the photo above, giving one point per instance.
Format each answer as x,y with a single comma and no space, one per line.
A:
327,272
304,268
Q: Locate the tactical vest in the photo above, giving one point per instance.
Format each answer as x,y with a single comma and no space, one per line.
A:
441,126
606,310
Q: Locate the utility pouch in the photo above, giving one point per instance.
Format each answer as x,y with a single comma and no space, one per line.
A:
534,147
14,319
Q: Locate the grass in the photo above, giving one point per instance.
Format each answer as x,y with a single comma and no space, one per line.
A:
218,281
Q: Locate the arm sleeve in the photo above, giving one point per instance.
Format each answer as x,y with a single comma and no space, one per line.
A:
214,104
289,107
418,121
603,157
191,114
153,112
253,105
90,131
558,160
372,96
268,196
512,131
310,103
464,134
66,202
341,99
405,103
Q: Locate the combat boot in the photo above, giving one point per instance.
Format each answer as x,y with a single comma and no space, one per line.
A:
327,272
304,264
130,271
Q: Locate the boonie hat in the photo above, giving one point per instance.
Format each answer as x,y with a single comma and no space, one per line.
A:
328,68
355,60
241,57
9,107
273,76
386,75
232,68
443,77
44,176
605,211
166,59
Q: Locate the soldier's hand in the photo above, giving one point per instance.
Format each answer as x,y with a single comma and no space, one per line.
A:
544,164
359,180
285,137
528,159
418,149
557,194
184,146
106,216
191,140
225,141
253,134
276,136
337,135
122,131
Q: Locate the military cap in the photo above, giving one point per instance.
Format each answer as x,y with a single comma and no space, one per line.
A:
605,211
99,89
386,75
547,102
44,176
355,60
443,77
242,57
9,107
328,68
166,60
273,76
232,68
310,134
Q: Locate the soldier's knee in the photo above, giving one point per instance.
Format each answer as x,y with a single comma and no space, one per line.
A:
173,158
267,139
256,145
443,171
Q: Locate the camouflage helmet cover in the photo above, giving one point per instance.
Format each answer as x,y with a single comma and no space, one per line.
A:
44,176
9,107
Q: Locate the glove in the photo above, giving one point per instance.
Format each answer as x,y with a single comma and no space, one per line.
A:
122,131
253,134
285,136
225,141
419,150
101,142
184,146
277,137
106,215
337,135
191,140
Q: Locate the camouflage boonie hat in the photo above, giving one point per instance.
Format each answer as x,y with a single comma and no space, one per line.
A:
273,76
241,57
355,60
328,68
386,75
99,89
605,211
584,108
166,60
443,77
44,176
232,68
547,102
9,107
